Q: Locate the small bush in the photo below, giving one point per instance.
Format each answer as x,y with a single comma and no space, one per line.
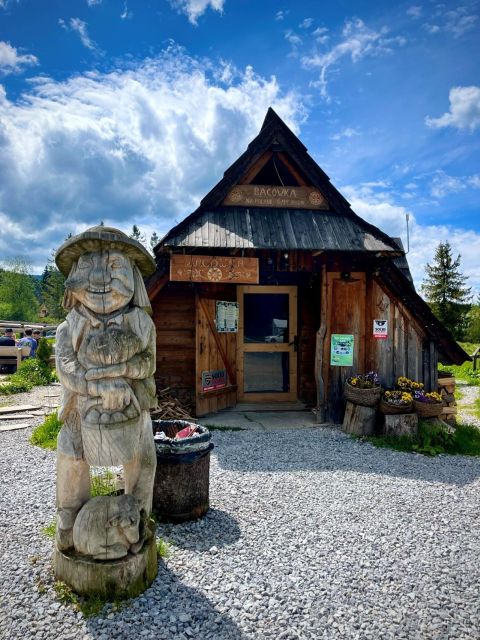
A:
45,435
31,373
50,530
44,351
163,548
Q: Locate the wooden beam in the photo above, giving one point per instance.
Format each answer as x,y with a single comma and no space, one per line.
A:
285,160
319,344
256,168
155,285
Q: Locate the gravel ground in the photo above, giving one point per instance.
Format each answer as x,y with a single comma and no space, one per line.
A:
311,535
470,394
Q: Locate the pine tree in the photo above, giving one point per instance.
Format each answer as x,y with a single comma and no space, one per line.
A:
52,289
445,290
17,291
138,235
154,240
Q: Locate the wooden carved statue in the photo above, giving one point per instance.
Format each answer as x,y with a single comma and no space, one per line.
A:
105,358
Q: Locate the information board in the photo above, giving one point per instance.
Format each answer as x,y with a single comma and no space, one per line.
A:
226,316
341,350
380,329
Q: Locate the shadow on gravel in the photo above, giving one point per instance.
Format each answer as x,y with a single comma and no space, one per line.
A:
216,529
324,450
168,609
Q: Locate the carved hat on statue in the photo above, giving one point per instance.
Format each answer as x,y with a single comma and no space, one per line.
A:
103,239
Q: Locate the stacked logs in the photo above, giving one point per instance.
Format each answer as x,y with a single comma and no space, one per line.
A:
446,388
169,408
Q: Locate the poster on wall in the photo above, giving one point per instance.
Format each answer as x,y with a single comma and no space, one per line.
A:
226,317
341,350
380,329
215,379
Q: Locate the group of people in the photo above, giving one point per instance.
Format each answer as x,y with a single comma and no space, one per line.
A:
30,339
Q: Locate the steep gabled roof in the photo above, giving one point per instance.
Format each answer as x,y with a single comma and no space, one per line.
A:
275,135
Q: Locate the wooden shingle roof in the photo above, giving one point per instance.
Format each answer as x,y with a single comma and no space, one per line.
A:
338,229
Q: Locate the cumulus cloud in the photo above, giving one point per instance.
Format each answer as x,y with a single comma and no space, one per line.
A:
80,27
193,9
464,112
357,42
141,145
380,209
11,61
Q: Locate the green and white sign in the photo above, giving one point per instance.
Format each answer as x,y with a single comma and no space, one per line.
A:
341,350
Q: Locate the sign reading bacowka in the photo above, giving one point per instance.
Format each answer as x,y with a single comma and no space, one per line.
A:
256,195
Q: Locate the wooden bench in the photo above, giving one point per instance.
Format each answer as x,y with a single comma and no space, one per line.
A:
13,355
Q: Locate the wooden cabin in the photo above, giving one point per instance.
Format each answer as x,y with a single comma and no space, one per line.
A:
275,291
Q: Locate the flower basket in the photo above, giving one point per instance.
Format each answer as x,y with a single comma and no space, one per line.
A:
364,397
428,409
387,408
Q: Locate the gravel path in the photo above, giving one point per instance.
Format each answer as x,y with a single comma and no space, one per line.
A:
311,535
469,395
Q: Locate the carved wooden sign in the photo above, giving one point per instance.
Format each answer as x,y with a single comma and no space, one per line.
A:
256,195
196,268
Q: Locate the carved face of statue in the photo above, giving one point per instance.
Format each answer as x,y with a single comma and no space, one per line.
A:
102,281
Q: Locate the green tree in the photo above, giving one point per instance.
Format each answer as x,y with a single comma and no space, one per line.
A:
154,240
138,235
473,334
52,289
17,291
446,292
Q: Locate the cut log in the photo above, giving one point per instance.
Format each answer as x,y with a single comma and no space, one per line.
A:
401,424
359,420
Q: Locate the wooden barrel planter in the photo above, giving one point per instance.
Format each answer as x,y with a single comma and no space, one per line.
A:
182,478
363,397
428,409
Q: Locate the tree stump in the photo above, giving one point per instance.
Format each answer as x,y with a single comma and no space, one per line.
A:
359,420
401,424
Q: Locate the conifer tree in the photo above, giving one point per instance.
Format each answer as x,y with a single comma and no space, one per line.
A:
445,290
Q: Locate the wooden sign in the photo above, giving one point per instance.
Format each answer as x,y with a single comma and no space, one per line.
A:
256,195
196,268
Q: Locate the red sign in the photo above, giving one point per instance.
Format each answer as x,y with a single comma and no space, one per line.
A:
380,329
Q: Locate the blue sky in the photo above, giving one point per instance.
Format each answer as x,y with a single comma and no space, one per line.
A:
129,112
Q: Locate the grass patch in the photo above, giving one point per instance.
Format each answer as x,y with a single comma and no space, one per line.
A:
163,549
45,435
50,530
464,371
31,373
90,606
103,483
434,439
221,427
458,394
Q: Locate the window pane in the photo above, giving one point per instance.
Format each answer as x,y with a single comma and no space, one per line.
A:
265,317
265,372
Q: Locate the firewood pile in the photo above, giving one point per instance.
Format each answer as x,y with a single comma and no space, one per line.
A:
170,408
446,388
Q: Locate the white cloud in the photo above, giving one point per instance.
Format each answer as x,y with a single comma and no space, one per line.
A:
321,35
348,132
11,61
456,21
126,14
464,110
414,11
442,184
141,145
358,41
193,9
306,23
80,26
281,15
380,210
93,3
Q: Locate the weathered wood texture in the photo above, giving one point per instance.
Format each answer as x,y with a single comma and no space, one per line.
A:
174,319
359,420
401,424
353,304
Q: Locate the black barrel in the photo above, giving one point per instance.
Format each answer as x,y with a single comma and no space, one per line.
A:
181,489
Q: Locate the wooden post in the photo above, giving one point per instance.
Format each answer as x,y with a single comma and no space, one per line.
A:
359,420
401,424
320,409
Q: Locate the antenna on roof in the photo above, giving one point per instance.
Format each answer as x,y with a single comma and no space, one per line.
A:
407,218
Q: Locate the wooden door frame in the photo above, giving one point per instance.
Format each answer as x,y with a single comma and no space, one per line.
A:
269,347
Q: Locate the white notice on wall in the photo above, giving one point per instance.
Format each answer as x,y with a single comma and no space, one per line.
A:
380,329
226,319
